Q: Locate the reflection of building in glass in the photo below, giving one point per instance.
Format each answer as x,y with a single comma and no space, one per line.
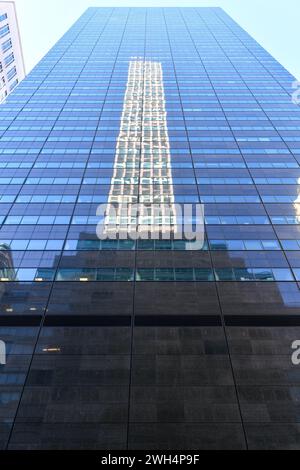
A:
142,168
7,272
297,205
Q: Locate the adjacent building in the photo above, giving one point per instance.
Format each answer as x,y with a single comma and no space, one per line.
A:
123,343
12,69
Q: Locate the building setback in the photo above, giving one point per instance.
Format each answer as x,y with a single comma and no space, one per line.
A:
150,344
12,69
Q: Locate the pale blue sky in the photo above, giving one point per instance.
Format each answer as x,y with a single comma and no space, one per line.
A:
273,23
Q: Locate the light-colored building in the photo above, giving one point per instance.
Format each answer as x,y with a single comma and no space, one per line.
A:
12,69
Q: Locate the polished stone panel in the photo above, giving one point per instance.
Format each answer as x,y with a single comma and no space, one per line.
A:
61,436
186,436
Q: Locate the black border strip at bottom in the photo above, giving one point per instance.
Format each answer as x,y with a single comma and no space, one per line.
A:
150,320
262,320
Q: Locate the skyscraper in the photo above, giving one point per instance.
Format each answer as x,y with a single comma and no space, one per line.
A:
150,343
12,69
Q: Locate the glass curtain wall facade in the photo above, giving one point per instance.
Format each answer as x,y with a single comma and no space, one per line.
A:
149,344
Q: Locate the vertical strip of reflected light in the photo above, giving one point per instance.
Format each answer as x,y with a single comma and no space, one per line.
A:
142,166
123,187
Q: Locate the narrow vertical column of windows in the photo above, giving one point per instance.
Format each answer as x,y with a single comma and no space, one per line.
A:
143,152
